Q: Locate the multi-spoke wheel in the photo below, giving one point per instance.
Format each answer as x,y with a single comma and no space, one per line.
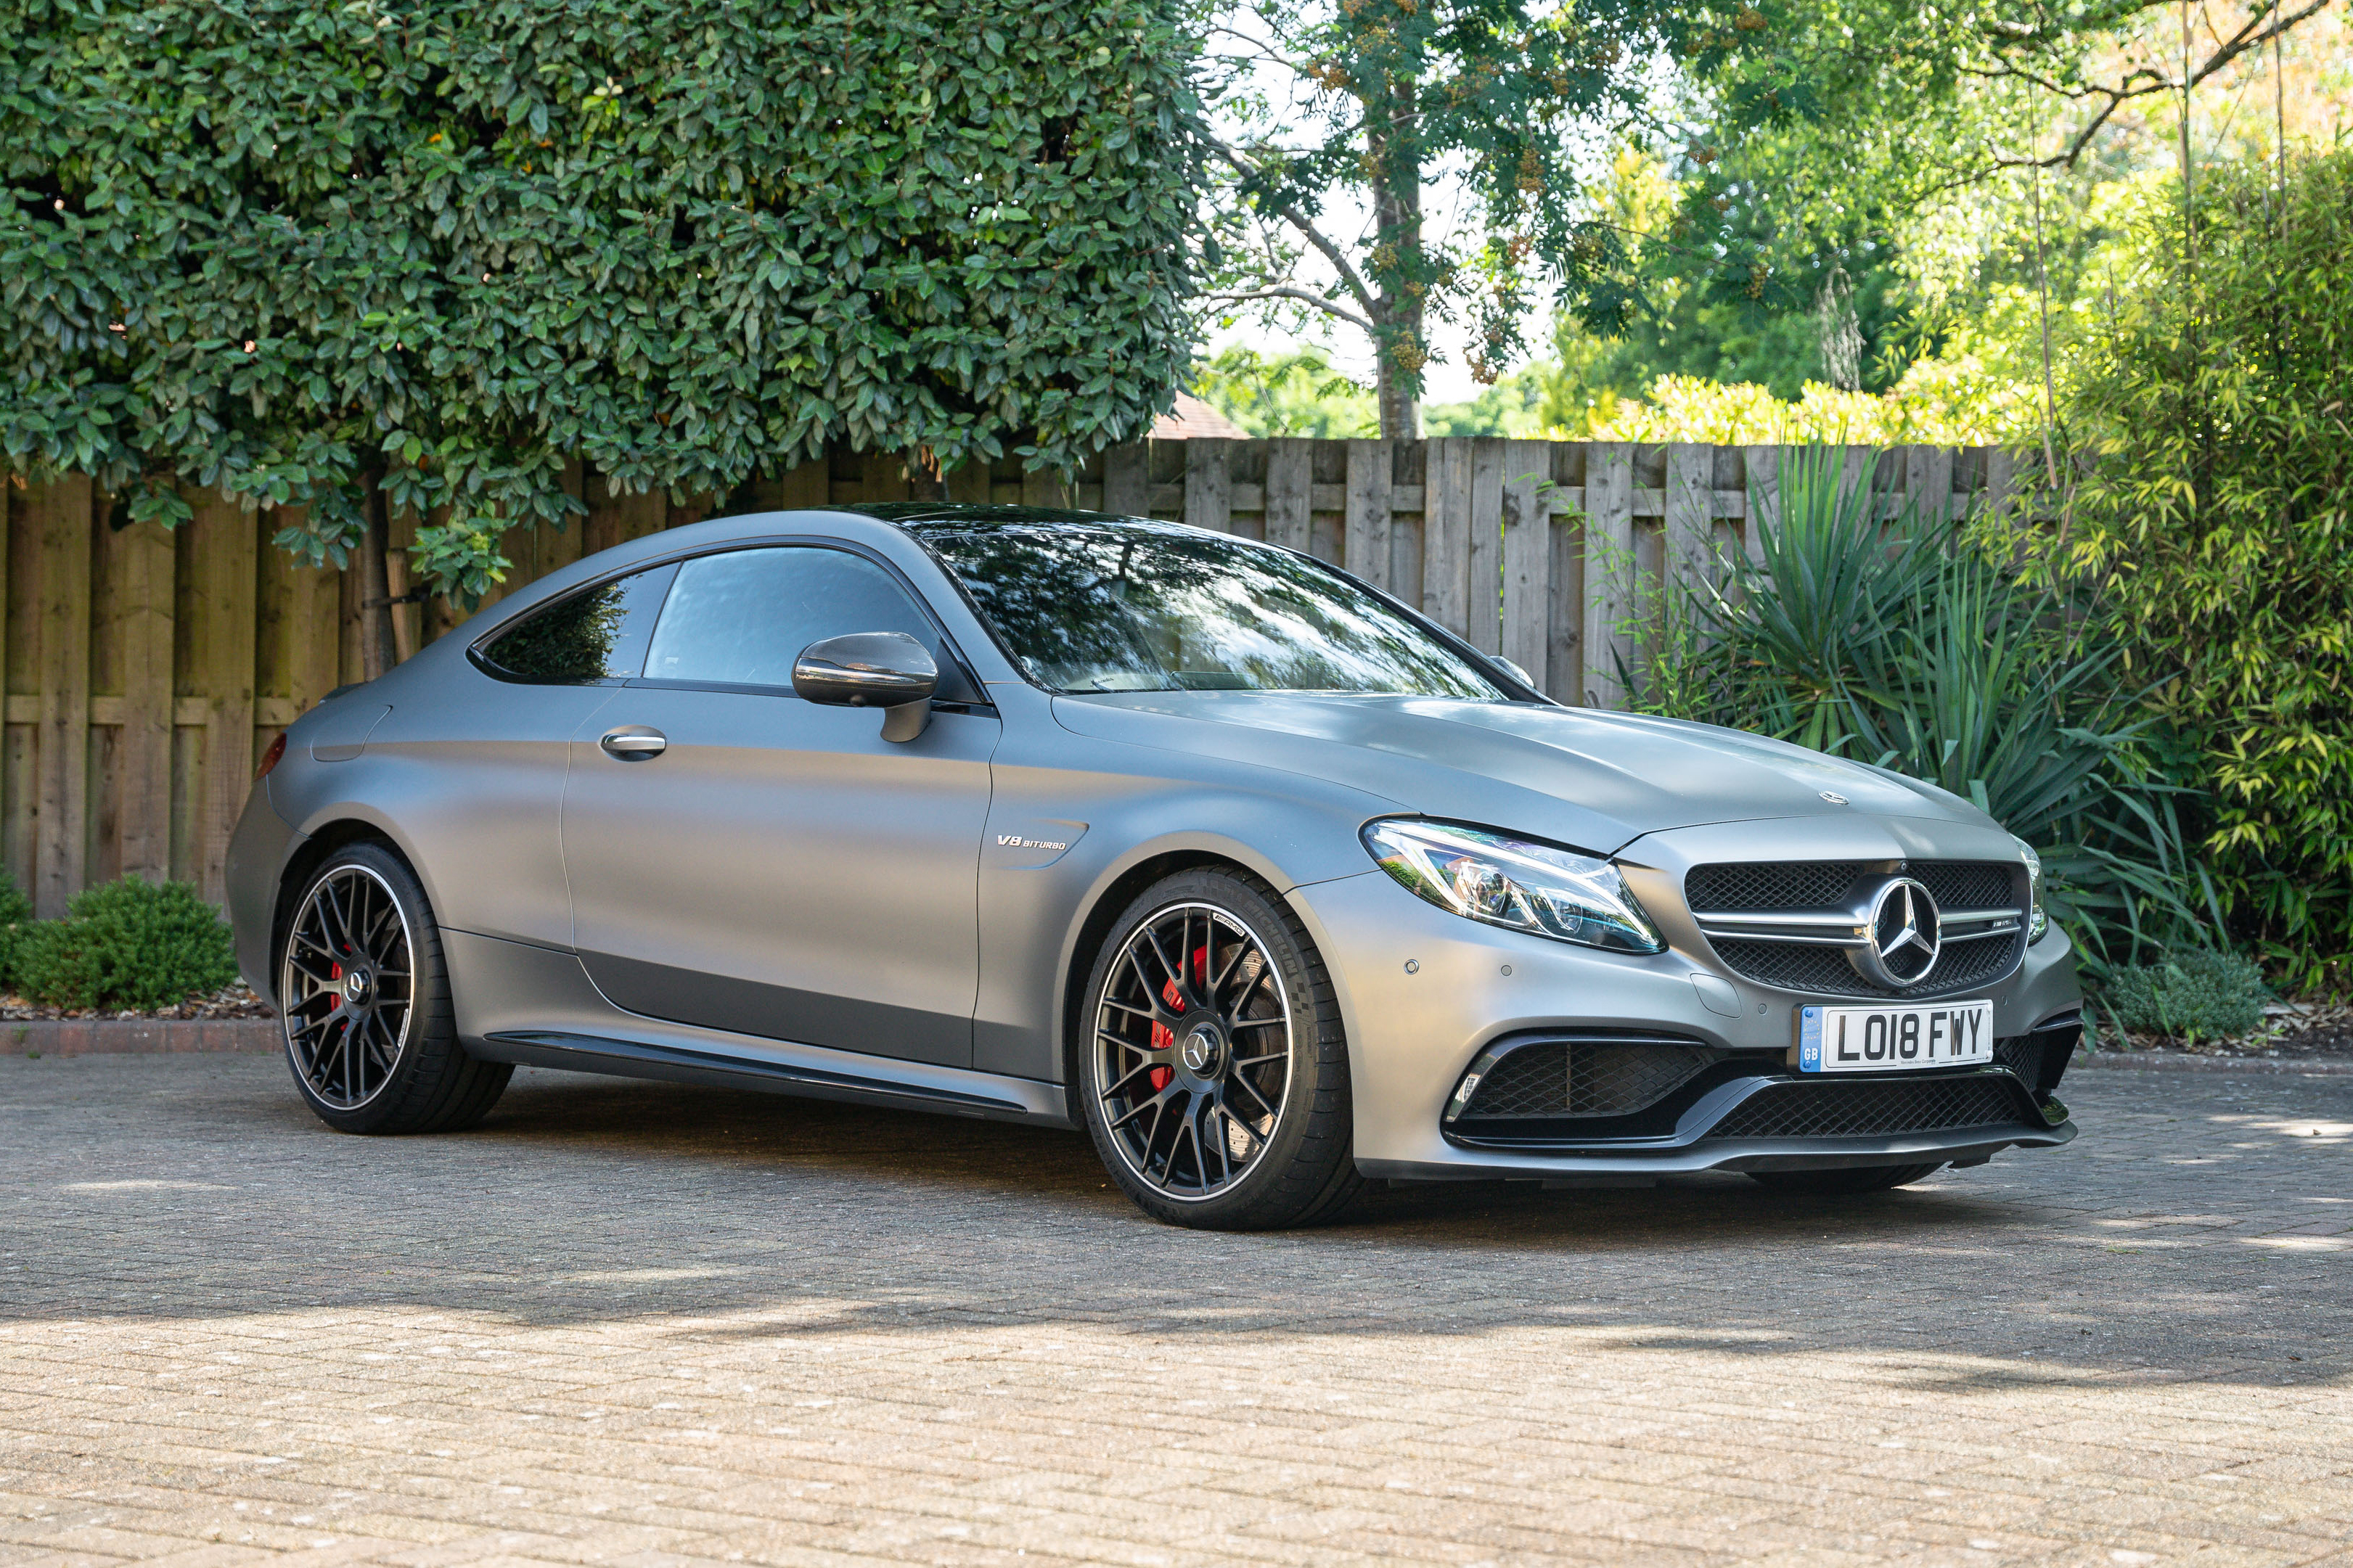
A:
370,1033
350,985
1215,1074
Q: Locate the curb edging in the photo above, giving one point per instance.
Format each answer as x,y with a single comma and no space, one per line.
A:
2181,1061
137,1036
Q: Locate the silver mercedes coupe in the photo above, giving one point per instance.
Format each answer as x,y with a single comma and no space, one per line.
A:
1269,883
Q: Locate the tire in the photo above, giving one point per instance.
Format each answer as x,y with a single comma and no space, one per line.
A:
1280,1145
1849,1180
362,1060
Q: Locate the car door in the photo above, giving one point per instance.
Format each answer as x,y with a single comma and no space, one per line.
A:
742,859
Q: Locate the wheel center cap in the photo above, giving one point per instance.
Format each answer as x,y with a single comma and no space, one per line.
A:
356,988
1202,1048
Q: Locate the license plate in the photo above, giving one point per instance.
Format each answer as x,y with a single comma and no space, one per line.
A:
1886,1040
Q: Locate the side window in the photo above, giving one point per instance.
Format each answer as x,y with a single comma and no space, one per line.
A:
742,618
584,639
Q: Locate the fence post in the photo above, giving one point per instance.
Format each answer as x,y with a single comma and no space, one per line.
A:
1446,534
1366,541
1527,558
1483,560
1209,486
1609,570
1127,480
148,582
1289,479
1690,512
62,805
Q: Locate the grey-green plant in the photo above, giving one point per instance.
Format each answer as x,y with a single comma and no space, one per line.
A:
1896,642
127,944
15,914
2191,994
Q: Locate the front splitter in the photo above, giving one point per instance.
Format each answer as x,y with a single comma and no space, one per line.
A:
1488,1164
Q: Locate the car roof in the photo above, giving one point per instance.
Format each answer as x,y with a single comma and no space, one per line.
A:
929,516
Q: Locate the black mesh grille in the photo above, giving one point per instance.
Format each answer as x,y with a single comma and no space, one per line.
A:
1773,885
1869,1109
2022,1054
1969,884
1585,1077
1825,970
1735,887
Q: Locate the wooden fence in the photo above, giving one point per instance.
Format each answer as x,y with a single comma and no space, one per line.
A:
148,670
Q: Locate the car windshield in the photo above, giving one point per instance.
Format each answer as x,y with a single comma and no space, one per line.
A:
1139,606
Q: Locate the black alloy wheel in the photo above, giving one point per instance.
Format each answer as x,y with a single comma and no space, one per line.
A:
370,1032
1216,1072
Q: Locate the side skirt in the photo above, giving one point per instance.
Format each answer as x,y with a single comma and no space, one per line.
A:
674,1064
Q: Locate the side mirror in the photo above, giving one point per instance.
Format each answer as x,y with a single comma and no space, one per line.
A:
889,670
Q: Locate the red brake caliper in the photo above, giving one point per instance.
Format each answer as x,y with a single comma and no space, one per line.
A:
1162,1037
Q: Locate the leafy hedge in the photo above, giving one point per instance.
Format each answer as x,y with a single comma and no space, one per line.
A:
290,248
2213,527
131,944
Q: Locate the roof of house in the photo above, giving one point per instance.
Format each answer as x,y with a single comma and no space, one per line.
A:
1196,420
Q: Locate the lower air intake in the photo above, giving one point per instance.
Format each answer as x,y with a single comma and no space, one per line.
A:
1585,1077
1870,1110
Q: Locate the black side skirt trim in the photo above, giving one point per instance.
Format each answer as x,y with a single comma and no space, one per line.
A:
676,1064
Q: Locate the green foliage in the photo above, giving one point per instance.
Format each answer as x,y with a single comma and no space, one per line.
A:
1298,392
1902,647
2192,994
131,944
15,914
1513,407
2211,531
301,250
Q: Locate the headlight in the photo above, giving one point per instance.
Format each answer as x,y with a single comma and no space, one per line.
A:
2037,922
1513,883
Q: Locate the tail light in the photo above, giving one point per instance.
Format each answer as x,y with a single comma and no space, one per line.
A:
269,758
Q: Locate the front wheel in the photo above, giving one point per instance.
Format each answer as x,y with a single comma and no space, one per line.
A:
1847,1180
1215,1074
364,999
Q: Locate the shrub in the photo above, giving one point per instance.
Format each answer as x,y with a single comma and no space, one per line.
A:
131,944
1903,646
2211,529
15,913
296,250
2194,994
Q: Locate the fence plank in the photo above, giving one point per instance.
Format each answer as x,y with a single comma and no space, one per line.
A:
1565,642
1527,558
1209,493
1483,555
217,646
1929,478
1763,468
1290,473
2001,480
1446,535
1366,541
1127,480
62,749
1690,512
145,608
1609,570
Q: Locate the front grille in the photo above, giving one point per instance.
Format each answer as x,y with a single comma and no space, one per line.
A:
1585,1077
1870,1110
1825,970
1837,886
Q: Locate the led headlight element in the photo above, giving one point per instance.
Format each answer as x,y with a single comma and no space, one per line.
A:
2037,922
1513,883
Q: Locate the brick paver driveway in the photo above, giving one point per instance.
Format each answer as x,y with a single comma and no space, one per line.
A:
634,1325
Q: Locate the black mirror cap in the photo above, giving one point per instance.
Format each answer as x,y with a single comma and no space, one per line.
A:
866,670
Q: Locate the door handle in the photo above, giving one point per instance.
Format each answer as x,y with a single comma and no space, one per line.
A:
634,743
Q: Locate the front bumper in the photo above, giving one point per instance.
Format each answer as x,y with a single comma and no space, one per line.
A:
1424,993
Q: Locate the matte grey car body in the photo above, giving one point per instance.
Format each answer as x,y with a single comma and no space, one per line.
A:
777,896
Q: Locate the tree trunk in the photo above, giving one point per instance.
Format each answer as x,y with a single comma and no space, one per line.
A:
377,651
1397,315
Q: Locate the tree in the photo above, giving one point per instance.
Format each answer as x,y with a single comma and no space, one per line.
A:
349,258
1359,105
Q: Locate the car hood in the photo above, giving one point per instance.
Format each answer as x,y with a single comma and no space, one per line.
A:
1580,775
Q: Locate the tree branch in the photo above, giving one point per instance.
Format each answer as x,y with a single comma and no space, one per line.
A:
1288,291
1331,252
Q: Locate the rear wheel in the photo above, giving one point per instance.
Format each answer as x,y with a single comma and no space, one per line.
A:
1849,1179
1215,1077
364,1000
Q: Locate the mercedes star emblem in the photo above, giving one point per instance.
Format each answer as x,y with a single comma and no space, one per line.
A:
1903,939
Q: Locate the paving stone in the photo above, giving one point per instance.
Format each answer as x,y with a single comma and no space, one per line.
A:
635,1326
